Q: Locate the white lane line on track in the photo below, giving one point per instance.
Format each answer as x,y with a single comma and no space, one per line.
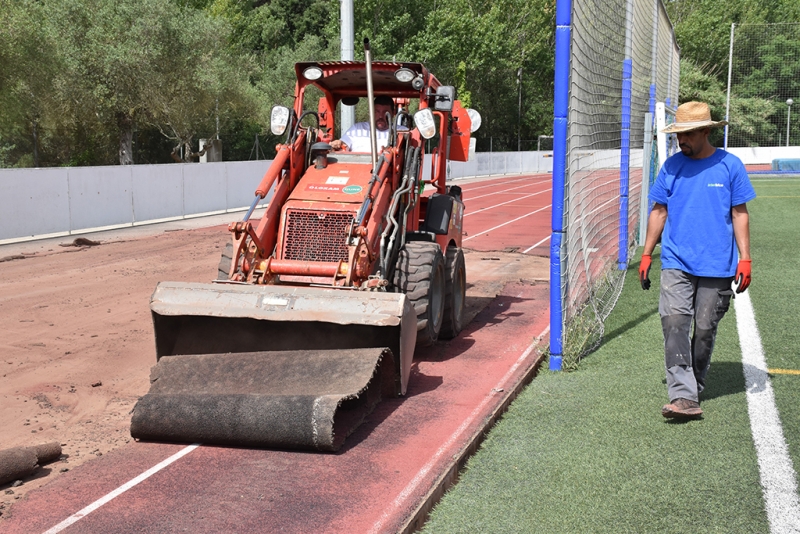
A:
447,445
778,479
77,516
506,202
494,183
510,189
536,245
478,234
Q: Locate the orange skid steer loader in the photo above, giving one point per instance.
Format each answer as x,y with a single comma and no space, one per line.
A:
318,305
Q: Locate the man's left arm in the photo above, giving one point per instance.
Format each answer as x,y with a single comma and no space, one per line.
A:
741,232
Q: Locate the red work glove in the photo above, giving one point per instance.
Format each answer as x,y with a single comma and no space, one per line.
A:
742,278
644,271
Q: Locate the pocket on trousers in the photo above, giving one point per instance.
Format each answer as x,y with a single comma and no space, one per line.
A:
723,301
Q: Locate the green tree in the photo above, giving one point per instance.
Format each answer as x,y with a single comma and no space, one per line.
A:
26,78
145,61
702,27
494,40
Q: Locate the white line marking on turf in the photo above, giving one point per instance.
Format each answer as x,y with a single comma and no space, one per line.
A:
536,245
478,234
77,516
778,480
446,446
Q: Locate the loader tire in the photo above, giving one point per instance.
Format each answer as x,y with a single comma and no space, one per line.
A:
225,262
420,275
455,272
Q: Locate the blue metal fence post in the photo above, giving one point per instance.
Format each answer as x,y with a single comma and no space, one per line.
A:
560,130
625,141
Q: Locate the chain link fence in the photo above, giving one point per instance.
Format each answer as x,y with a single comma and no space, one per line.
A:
763,85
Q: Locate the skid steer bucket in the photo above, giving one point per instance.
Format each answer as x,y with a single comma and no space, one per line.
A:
272,366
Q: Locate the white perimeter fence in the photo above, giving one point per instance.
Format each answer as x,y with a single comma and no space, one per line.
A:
54,202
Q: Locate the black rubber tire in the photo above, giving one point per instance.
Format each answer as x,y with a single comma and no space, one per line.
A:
455,271
420,275
225,262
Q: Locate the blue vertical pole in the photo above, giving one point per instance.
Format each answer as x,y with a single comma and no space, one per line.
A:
625,139
654,59
624,164
560,130
652,106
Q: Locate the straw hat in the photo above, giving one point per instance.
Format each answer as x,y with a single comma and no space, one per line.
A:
692,116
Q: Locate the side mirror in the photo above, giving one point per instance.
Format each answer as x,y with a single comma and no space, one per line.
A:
475,119
445,96
425,123
279,118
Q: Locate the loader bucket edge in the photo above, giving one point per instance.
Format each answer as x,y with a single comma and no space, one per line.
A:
291,399
195,318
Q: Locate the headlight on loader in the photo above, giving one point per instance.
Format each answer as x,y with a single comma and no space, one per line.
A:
475,119
279,118
425,123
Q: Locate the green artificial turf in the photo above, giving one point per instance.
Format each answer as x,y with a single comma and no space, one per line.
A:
775,229
588,451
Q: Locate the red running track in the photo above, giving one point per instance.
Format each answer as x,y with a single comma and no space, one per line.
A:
511,214
387,469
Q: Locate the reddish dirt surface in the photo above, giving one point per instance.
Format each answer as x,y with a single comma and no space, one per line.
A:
78,342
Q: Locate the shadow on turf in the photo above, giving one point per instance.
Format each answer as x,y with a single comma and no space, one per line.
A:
633,323
724,378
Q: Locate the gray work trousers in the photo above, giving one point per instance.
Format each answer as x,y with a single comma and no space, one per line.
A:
687,299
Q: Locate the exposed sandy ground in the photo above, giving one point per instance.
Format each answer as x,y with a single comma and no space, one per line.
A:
77,342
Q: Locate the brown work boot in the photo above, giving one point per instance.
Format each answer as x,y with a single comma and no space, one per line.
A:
682,408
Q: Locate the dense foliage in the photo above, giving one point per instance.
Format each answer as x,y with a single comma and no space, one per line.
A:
761,83
92,82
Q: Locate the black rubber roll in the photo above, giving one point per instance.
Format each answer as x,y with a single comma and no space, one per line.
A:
311,399
17,463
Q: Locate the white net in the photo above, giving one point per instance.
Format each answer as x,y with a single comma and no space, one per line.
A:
602,183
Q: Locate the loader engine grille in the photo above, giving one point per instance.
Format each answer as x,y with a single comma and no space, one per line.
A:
316,235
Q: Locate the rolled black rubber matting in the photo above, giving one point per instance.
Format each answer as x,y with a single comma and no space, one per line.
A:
306,399
19,462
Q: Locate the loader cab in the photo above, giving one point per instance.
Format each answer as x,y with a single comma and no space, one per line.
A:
327,86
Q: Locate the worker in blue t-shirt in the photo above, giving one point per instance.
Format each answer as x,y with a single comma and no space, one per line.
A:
700,213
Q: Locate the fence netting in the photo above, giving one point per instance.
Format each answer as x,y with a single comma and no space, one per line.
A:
623,58
765,85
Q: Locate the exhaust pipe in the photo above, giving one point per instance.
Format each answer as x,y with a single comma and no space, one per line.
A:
370,96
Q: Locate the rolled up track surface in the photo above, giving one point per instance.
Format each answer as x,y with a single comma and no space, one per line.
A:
17,463
307,399
47,452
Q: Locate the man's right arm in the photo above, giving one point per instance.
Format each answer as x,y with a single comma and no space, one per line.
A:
346,142
655,225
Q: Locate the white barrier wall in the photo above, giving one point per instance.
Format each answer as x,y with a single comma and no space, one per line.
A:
38,203
495,163
764,154
50,202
